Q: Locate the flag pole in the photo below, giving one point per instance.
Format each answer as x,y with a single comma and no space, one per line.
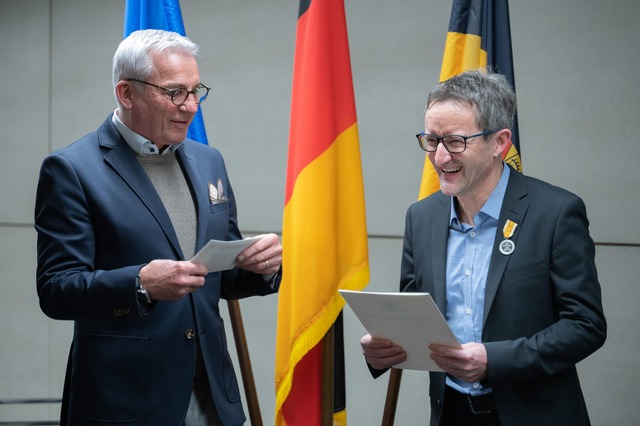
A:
390,404
328,343
245,362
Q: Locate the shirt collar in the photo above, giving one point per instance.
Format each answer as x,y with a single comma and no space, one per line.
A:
138,143
493,205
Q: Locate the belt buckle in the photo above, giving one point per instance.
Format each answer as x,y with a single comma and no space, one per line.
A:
473,408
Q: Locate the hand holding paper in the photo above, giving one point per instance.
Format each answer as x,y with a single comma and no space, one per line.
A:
410,320
264,257
219,255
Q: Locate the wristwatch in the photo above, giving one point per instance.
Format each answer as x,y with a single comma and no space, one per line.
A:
143,295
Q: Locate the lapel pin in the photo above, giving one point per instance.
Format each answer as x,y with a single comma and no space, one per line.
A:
507,246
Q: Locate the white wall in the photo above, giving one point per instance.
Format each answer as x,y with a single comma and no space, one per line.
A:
575,65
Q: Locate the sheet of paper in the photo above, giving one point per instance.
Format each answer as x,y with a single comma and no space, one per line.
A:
219,255
411,320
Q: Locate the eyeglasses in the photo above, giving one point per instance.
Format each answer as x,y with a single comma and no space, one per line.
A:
180,95
454,144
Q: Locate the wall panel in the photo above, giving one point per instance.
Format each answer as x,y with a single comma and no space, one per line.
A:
578,104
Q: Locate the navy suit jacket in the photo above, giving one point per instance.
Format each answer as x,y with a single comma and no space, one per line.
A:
99,220
542,309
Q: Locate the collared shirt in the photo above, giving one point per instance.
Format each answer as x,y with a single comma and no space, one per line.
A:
138,143
468,257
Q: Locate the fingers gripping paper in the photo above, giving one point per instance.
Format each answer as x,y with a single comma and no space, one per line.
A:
221,255
410,320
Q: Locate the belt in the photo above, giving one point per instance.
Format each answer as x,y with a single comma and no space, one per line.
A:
478,404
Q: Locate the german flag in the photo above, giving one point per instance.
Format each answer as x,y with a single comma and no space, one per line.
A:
324,234
479,36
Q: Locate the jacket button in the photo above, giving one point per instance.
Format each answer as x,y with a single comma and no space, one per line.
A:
189,334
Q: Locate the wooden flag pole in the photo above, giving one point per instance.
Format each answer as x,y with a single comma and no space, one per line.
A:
328,342
245,363
390,404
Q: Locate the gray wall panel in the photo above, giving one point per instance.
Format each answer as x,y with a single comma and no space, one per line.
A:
85,35
24,100
575,65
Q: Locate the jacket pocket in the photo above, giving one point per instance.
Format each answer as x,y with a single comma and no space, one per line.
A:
526,271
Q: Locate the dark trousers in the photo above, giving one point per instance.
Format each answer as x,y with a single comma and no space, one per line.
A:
465,410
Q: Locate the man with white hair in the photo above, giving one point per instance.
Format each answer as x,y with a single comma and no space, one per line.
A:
119,213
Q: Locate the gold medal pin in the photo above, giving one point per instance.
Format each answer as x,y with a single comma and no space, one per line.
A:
507,246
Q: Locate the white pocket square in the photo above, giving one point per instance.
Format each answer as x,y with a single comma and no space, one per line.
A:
216,193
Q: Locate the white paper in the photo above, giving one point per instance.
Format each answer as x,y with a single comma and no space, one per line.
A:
410,320
219,255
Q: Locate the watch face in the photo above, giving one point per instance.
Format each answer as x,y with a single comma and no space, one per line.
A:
143,297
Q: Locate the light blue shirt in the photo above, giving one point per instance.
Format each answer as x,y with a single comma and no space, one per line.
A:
138,143
468,256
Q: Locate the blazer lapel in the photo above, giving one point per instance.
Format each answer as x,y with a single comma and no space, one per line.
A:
514,208
123,160
439,235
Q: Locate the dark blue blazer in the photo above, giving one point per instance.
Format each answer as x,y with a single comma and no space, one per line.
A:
542,309
99,220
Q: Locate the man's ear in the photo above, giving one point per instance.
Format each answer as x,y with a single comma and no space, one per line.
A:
502,141
125,93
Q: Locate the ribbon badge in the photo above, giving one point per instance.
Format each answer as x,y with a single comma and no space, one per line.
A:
507,246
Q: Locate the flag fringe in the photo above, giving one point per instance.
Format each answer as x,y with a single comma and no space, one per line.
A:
310,337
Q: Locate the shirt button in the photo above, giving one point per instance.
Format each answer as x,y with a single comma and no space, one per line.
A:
189,334
467,272
476,386
468,311
472,234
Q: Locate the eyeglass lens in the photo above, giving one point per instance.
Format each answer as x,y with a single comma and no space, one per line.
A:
180,96
453,144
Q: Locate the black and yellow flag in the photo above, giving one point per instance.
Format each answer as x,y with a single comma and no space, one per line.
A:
479,36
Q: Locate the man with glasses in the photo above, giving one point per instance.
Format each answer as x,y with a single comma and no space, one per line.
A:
119,213
508,260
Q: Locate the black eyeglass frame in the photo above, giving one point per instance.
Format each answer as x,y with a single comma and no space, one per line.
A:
173,92
443,140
